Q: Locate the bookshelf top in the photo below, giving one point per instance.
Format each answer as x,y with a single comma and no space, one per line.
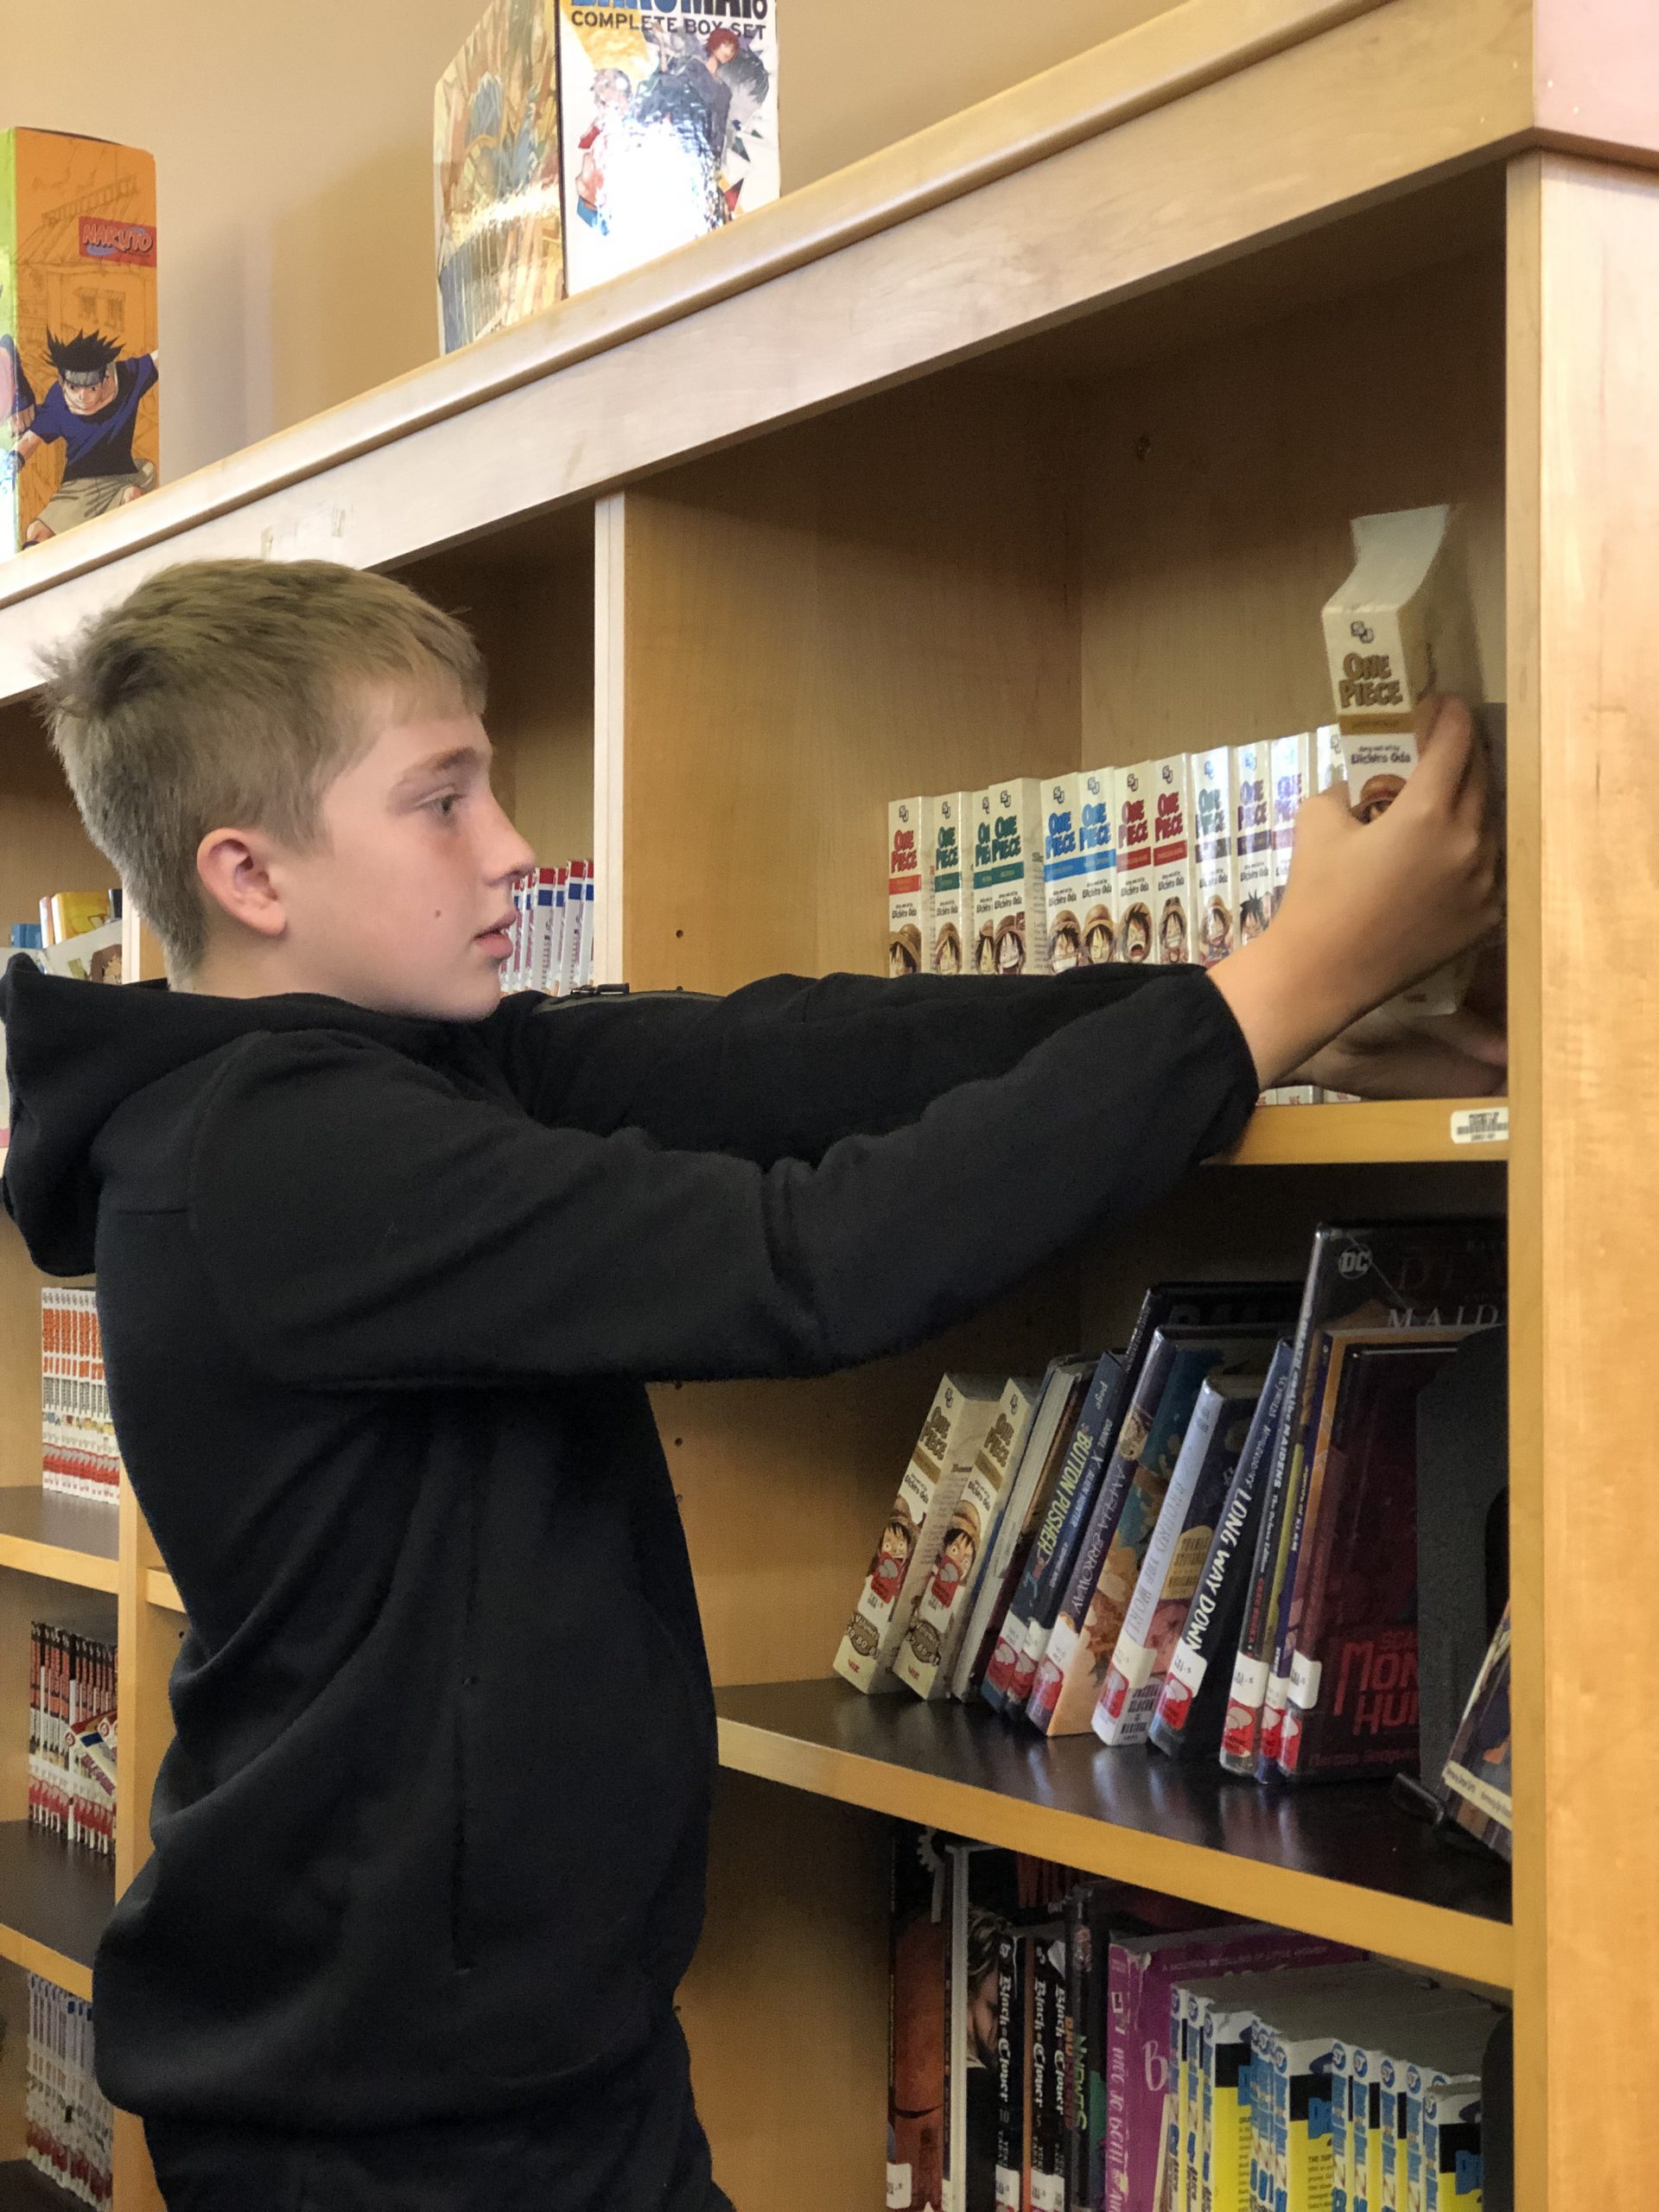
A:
1186,142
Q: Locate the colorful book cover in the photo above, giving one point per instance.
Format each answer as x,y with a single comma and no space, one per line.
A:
495,148
1142,1465
1142,1971
907,1552
1187,1722
1168,1581
952,819
927,1654
909,887
1451,2047
668,125
918,1981
1351,1635
1448,1274
80,436
1025,1502
1136,938
1476,1778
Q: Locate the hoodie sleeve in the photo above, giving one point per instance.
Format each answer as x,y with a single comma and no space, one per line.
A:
783,1068
363,1227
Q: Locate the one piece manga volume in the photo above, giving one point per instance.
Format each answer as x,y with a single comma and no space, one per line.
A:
1136,927
909,887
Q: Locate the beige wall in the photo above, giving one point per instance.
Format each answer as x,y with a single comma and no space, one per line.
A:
292,146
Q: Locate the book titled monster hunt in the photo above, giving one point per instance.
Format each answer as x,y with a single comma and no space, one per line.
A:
1352,1629
1449,1273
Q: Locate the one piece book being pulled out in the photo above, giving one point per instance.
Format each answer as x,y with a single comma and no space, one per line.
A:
1443,1274
928,1653
1192,1705
1069,1683
1024,1506
907,1551
1180,1544
1351,1640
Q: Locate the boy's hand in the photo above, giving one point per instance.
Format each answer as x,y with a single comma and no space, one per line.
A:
1460,1055
1371,908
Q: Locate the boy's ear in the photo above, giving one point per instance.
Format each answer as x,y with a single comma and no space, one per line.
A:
234,865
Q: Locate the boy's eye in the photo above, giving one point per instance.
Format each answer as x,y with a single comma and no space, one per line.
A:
445,803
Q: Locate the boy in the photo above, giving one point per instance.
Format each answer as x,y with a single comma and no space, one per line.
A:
419,1907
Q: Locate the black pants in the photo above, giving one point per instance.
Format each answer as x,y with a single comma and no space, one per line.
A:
648,2157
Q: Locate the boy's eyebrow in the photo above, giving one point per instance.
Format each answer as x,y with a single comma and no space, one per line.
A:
459,756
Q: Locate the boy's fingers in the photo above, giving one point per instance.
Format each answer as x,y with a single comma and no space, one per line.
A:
1448,755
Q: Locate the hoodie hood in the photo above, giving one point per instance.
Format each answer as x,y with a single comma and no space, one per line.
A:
76,1051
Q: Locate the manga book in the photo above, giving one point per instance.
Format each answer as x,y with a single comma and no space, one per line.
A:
669,122
1476,1778
80,431
495,168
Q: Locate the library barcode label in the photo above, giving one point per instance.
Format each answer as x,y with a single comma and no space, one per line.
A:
1481,1125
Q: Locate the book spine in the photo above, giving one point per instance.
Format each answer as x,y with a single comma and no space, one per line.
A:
1134,868
1085,1461
909,889
952,881
1050,1681
1277,1694
1079,1962
1180,1723
1048,2074
1215,873
1171,861
1010,2071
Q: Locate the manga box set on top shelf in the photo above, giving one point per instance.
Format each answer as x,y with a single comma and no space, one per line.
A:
575,142
80,431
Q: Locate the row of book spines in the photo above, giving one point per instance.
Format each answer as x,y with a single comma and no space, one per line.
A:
553,949
80,1455
72,1784
69,2128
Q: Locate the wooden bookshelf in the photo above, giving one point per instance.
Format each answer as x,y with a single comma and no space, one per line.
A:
59,1537
1032,444
1338,1862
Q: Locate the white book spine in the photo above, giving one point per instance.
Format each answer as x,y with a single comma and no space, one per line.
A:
1135,927
1171,862
1215,862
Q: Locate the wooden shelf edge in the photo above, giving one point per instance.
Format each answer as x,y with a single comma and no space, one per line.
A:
1374,1132
1417,1934
39,1958
56,1565
162,1590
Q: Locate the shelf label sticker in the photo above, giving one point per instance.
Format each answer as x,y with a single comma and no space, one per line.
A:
1481,1125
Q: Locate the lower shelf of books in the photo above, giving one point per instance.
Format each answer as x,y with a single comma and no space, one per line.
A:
55,1900
1342,1862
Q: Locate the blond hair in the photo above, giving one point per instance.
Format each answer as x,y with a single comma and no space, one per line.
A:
231,694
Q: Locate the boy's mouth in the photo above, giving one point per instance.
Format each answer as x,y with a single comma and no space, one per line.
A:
497,940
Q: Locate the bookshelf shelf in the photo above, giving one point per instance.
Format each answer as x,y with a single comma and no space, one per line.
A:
59,1537
1376,1131
54,1903
1341,1862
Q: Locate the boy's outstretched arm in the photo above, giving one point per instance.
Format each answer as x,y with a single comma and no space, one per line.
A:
782,1068
364,1227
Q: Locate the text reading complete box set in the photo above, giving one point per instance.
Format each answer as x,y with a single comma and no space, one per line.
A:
1179,859
1060,2044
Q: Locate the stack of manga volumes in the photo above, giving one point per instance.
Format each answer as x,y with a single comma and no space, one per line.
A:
553,937
1061,2043
80,1456
72,1770
69,2128
1206,1541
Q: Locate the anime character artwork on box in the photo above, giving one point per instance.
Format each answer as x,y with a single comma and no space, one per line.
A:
496,157
670,125
79,427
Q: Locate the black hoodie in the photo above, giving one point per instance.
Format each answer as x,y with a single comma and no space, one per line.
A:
379,1297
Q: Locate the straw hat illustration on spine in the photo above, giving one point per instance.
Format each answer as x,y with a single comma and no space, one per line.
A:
1064,941
947,951
904,951
1137,938
1099,937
